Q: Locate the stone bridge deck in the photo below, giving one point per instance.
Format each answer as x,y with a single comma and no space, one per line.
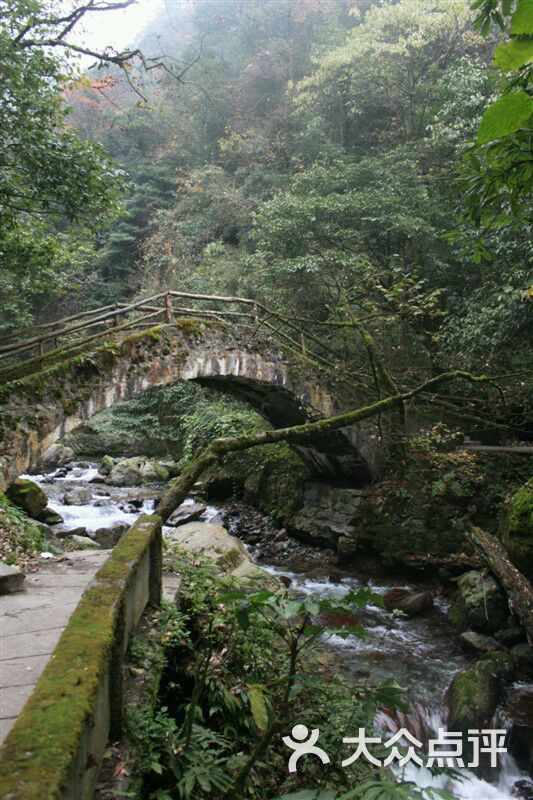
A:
37,410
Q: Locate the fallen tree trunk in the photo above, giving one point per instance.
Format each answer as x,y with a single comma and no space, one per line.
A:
294,435
517,587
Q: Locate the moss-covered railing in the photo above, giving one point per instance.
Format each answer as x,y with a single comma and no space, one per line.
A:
111,321
55,748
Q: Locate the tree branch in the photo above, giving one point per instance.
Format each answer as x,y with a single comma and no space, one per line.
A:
298,433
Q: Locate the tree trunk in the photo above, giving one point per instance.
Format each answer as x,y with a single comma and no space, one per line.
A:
518,588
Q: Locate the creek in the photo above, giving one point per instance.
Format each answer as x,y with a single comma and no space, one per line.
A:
419,653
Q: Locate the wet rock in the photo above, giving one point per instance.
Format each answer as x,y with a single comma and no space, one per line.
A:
417,603
66,532
56,456
254,579
481,604
49,517
79,496
511,636
475,692
479,643
153,472
410,604
98,479
84,541
126,473
109,537
519,709
186,513
11,579
523,658
523,789
28,496
106,465
394,597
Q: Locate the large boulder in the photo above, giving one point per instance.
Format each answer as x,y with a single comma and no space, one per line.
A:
212,541
126,472
78,496
516,528
227,552
152,472
475,692
28,496
56,456
481,604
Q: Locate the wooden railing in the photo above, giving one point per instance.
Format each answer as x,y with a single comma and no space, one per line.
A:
42,345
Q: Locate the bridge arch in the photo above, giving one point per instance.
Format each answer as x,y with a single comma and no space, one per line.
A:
41,408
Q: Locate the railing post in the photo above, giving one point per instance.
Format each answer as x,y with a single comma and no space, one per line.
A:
256,313
169,309
302,341
41,348
116,318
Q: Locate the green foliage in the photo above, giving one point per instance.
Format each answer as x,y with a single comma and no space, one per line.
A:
52,181
233,665
499,170
505,116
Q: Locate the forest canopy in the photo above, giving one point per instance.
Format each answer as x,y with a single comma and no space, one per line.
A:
324,156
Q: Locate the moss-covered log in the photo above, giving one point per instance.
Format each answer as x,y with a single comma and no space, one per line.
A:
518,588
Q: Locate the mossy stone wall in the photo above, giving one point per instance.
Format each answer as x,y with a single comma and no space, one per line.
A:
54,750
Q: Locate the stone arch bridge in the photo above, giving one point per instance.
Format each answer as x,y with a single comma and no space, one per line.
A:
50,396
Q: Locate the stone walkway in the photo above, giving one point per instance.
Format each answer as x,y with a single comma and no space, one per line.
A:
32,621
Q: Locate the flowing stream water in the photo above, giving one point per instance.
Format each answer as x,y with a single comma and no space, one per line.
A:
420,654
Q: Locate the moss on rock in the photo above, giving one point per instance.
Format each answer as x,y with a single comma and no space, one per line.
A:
481,604
28,496
475,692
516,528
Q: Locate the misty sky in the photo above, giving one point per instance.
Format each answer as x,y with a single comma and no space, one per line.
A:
119,28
